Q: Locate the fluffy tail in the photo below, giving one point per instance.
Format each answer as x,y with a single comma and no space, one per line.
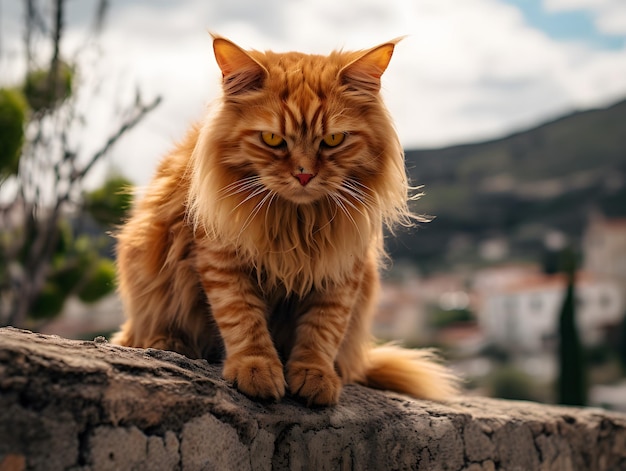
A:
413,372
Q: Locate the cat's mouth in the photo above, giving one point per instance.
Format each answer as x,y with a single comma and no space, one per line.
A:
305,190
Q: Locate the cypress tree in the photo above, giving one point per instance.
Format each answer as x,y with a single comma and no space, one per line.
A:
572,383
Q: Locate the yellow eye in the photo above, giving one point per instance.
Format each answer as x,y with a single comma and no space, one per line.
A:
271,139
333,140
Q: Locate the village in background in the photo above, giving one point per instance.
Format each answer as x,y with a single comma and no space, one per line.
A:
498,325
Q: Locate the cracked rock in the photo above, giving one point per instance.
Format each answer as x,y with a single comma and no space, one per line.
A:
86,406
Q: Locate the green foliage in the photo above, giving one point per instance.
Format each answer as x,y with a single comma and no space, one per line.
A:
444,317
511,383
76,266
497,353
622,344
110,203
100,282
43,91
76,269
599,355
572,383
13,113
49,302
72,260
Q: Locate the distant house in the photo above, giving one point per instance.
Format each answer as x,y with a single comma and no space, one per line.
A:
400,313
604,248
523,315
404,305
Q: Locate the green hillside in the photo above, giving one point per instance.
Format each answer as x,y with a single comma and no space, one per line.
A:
520,187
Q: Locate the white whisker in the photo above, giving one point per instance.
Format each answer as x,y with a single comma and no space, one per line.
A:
364,192
339,201
334,207
267,209
259,189
240,186
239,182
255,211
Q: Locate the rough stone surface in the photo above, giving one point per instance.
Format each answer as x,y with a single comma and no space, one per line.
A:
75,405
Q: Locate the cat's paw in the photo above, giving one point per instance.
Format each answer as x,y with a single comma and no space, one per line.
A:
256,376
318,384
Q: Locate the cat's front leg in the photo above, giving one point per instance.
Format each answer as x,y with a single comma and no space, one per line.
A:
252,362
311,370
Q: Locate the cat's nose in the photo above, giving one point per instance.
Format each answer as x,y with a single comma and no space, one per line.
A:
304,178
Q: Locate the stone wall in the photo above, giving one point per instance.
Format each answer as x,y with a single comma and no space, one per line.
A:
76,405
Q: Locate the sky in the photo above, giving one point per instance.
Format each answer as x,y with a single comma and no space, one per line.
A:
468,70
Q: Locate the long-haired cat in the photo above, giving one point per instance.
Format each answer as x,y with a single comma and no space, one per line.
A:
260,238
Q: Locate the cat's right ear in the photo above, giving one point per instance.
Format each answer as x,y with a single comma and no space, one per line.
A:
240,72
365,71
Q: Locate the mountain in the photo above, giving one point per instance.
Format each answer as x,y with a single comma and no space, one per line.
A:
516,190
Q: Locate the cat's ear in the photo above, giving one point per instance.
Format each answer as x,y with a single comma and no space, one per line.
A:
365,71
240,71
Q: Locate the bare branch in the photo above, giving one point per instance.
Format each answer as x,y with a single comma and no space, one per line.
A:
140,112
103,8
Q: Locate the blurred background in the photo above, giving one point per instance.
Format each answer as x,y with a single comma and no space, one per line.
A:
512,114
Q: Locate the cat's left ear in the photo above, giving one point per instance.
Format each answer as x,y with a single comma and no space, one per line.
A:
365,71
240,71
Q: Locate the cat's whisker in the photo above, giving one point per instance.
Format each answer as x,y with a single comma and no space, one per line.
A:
235,186
359,197
255,211
351,204
267,209
260,189
339,201
341,189
361,187
249,188
364,193
332,218
239,182
240,186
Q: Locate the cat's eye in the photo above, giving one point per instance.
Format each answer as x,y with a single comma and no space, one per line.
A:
271,139
333,140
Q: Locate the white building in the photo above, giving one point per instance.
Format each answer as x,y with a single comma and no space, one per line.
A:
404,306
604,248
524,315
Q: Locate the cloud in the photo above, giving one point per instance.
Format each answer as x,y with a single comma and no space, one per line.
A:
609,15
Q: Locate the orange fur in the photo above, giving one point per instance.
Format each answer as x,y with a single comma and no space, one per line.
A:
233,254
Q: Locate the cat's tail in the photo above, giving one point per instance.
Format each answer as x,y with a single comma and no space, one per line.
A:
414,372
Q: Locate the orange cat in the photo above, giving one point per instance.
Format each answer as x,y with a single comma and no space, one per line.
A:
260,238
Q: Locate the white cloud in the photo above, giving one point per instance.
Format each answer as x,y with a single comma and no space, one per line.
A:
609,15
612,20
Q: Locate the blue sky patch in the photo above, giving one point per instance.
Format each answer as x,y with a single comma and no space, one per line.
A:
567,25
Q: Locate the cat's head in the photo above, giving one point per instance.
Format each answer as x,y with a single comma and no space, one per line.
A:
305,130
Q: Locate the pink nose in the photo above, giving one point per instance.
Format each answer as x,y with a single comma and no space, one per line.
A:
304,178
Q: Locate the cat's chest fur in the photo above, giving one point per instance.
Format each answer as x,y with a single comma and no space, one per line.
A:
300,250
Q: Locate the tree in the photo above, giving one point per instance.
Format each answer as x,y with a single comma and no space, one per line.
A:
509,382
572,383
622,344
13,112
43,258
